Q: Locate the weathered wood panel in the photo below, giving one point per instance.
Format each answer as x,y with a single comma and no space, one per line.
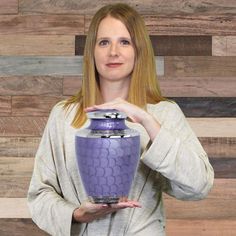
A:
51,65
34,105
19,146
167,45
8,6
5,105
200,66
49,45
41,24
201,227
148,6
224,167
198,86
186,24
71,85
224,45
31,85
207,107
204,227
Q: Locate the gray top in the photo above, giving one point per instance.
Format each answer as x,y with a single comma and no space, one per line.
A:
174,162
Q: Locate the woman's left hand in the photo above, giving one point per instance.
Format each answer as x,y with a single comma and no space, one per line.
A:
135,113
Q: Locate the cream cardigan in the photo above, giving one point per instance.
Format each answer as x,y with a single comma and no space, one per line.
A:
174,162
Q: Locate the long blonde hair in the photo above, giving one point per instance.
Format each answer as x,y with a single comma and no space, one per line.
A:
143,88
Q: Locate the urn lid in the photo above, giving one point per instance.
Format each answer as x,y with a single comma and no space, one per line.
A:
106,114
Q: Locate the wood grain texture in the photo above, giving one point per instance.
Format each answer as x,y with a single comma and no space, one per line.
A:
5,105
200,66
207,107
224,45
167,45
39,45
31,85
201,227
34,105
71,85
149,6
224,167
8,7
41,24
198,86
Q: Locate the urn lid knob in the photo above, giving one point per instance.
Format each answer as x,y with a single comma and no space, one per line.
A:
106,114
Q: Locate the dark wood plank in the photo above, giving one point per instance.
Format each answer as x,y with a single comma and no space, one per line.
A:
22,126
198,86
185,25
148,6
168,45
5,105
19,227
42,24
18,146
207,107
31,85
8,6
200,66
34,105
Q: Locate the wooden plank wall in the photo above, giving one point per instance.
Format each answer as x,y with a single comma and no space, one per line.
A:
41,49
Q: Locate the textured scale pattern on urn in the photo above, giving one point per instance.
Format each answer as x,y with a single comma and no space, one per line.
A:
107,158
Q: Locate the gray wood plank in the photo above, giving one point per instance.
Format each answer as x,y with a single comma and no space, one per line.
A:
52,66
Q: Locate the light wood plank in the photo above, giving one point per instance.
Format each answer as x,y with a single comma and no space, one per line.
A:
5,105
39,45
34,105
148,6
224,45
200,66
31,85
198,86
18,146
42,24
202,227
8,6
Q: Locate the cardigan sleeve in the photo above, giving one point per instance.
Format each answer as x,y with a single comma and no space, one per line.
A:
177,154
49,210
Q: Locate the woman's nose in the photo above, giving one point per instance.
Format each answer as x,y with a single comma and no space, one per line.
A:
114,50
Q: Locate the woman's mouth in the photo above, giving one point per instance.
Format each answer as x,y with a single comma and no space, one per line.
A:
113,65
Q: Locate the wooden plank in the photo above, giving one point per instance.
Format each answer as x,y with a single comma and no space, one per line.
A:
34,105
5,105
213,127
39,45
20,227
8,7
41,24
199,24
31,85
198,86
51,65
202,227
168,45
207,107
149,6
18,146
22,126
71,85
200,66
219,147
224,45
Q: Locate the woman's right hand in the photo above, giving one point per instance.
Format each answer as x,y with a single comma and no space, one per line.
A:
89,212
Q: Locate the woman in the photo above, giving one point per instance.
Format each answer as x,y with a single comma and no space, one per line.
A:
119,73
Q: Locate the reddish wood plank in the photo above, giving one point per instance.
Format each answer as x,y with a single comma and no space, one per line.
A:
5,105
186,24
71,85
200,66
202,227
42,45
31,85
8,6
34,105
42,24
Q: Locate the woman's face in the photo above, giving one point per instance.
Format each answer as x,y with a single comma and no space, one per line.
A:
114,51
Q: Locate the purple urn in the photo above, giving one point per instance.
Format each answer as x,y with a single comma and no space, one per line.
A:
107,154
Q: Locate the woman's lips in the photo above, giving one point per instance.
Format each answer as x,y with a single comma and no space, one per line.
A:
113,65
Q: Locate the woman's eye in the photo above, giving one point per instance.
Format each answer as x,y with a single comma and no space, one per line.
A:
103,43
125,42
